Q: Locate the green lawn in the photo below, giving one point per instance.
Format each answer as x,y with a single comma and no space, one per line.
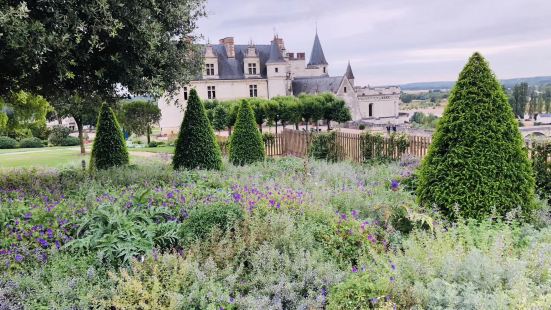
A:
59,157
159,149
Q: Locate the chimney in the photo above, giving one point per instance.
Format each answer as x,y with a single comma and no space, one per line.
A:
279,42
228,44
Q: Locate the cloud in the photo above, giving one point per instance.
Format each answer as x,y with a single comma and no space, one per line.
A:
396,41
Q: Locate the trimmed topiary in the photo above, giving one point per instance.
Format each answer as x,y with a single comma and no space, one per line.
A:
31,143
196,146
7,143
246,145
477,164
109,149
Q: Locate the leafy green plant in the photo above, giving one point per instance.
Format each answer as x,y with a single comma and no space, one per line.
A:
246,146
58,135
109,148
7,143
70,141
477,163
65,281
205,218
196,147
31,143
376,147
117,234
541,154
324,146
268,138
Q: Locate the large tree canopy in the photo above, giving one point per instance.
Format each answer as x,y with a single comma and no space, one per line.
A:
68,50
96,46
139,115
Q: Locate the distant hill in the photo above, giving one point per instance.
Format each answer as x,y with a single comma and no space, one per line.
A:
532,81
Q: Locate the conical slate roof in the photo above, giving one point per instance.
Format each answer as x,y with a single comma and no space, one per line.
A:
349,74
317,57
275,54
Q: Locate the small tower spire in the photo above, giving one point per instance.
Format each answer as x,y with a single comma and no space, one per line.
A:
349,74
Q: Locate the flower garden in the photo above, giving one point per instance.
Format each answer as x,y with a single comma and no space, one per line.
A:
468,227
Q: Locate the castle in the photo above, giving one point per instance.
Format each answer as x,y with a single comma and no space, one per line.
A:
243,71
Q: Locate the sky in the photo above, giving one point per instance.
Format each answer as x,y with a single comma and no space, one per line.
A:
391,42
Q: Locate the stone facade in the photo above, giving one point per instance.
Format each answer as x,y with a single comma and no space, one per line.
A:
242,71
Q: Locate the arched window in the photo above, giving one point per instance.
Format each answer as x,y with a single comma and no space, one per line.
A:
371,110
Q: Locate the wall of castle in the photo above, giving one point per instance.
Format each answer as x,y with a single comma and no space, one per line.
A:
173,109
382,106
346,92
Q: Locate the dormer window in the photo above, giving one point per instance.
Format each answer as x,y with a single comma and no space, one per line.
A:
324,70
345,89
276,70
252,68
210,69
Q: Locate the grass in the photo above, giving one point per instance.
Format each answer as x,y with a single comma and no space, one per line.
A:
57,157
159,149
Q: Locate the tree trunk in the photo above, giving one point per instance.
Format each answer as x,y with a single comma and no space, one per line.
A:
328,124
80,134
148,134
276,127
296,126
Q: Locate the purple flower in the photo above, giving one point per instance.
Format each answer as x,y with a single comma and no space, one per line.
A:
354,269
394,184
354,213
43,242
170,195
236,197
392,266
272,202
18,258
374,300
232,300
392,279
371,238
343,216
27,216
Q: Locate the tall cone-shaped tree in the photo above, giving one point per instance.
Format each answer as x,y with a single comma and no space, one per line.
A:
196,147
477,163
246,145
109,149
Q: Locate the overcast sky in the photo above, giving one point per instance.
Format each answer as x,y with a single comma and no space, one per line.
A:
396,41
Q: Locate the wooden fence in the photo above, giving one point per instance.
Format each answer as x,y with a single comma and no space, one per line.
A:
296,143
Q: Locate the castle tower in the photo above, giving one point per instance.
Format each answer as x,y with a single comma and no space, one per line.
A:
317,58
349,74
277,70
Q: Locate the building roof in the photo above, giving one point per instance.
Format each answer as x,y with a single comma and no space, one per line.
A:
275,54
232,68
313,85
349,74
317,57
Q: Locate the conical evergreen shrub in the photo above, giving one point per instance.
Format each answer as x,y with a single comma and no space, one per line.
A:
246,144
477,163
109,149
196,147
